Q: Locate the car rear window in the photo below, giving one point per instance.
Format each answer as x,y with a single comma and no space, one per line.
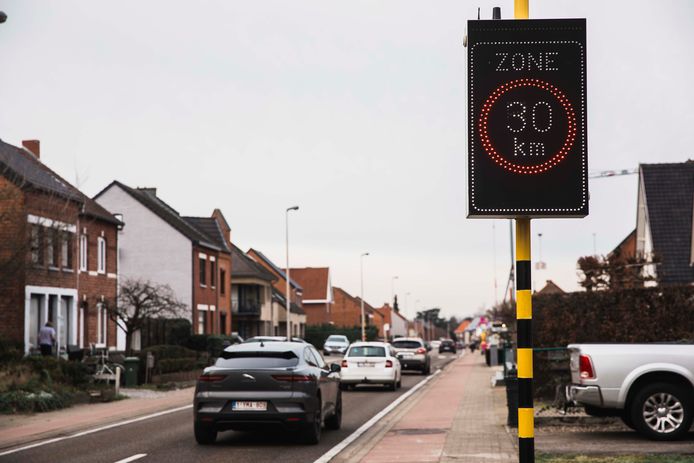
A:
406,344
367,351
337,338
257,360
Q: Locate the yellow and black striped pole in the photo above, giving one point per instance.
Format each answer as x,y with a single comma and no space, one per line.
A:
524,319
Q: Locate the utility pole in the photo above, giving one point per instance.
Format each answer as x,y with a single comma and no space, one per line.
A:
288,295
361,295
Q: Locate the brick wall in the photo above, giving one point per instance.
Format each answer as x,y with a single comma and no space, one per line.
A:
224,301
94,287
12,229
205,294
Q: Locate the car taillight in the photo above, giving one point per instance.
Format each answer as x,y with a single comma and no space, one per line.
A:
585,367
294,378
421,350
389,364
210,378
343,364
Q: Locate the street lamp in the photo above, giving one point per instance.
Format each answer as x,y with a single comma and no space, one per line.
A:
361,275
392,289
288,296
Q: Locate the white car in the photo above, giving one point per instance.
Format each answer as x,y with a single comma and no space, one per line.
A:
370,363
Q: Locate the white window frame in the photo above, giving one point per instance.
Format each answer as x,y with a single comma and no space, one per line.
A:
84,249
101,255
101,325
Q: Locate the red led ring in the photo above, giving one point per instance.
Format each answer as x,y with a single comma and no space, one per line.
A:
554,160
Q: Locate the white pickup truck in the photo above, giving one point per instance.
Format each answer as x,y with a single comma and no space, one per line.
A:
650,386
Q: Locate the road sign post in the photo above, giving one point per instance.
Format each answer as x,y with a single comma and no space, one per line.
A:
527,146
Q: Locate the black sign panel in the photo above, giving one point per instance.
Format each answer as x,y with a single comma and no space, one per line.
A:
527,122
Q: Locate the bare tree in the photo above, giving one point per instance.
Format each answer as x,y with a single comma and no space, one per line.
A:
139,301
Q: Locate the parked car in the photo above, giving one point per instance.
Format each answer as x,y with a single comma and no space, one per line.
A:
447,345
253,385
336,344
650,386
370,363
413,354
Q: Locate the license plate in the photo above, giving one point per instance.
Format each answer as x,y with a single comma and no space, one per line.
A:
245,405
363,364
406,354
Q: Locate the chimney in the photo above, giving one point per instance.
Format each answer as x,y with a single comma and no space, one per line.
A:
33,146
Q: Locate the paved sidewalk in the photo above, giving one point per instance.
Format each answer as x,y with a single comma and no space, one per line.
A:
458,418
17,430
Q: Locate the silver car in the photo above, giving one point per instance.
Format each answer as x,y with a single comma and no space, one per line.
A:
336,344
253,385
413,354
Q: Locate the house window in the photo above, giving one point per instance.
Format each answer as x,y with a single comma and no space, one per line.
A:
101,255
222,281
213,273
53,248
66,250
202,321
83,252
37,244
101,324
203,268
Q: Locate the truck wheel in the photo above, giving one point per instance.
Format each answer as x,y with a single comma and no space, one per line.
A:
626,419
662,411
204,434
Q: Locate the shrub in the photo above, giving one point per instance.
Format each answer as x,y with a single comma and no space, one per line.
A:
11,351
659,314
197,342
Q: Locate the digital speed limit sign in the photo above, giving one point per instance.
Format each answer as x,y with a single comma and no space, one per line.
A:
527,118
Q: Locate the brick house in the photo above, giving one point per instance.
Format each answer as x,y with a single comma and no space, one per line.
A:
297,316
317,297
251,296
346,312
189,254
58,255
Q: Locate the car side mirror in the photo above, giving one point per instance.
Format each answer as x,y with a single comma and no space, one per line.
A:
335,368
428,347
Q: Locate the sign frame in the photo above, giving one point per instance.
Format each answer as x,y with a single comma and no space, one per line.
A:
511,63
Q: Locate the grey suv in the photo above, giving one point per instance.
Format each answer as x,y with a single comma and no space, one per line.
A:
413,354
253,385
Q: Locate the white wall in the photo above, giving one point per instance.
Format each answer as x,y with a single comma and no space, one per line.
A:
399,326
150,248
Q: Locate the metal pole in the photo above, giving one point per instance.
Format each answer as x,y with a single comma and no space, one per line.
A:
361,295
288,295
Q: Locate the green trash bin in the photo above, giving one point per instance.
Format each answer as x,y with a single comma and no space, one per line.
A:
131,370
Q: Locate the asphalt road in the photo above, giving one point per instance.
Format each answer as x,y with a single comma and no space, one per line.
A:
169,438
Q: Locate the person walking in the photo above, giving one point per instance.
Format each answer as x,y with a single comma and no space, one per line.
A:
46,339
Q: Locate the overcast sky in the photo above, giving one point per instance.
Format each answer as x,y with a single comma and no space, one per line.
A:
355,111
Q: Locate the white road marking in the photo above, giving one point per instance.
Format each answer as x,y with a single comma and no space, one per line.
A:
101,428
133,458
330,454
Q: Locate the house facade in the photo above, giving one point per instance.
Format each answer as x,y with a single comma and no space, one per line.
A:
395,325
251,296
664,221
189,254
297,316
58,256
346,312
317,296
